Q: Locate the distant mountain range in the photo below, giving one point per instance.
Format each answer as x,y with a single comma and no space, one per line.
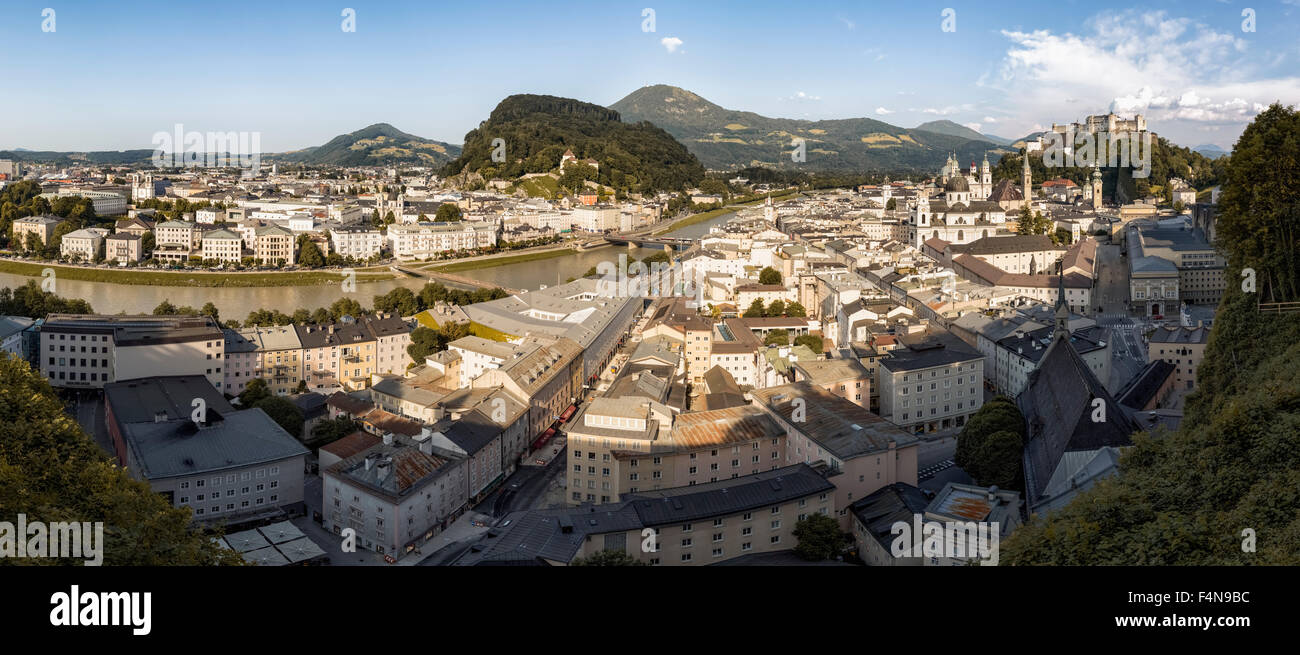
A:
380,144
729,139
953,129
1210,150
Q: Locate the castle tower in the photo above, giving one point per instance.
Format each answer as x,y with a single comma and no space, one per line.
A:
986,173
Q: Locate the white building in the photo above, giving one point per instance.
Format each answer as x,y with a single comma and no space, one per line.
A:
423,240
357,241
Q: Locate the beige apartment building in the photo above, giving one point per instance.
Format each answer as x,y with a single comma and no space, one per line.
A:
861,451
86,244
222,246
684,526
278,356
1184,347
123,247
176,240
630,444
549,376
273,244
41,226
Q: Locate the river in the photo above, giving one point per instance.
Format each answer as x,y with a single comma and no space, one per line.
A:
238,302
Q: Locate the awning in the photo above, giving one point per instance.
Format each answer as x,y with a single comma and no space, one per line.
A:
546,436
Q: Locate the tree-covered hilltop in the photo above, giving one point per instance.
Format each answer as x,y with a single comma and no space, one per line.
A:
380,144
537,130
1233,465
51,471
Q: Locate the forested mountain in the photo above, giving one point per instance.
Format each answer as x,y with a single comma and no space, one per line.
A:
537,130
730,139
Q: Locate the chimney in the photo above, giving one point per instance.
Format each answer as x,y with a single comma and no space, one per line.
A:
160,417
388,438
426,446
993,493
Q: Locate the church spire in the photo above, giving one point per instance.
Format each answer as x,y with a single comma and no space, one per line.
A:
1062,308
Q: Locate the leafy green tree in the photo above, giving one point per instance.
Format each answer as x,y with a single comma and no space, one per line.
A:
33,302
147,244
165,308
819,538
255,391
755,309
302,387
795,309
777,338
983,458
328,431
769,275
608,558
448,212
1258,210
400,301
309,254
891,205
777,308
51,471
283,412
210,309
813,342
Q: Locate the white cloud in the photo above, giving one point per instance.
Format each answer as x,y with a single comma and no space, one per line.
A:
973,126
883,112
1177,72
990,119
847,23
800,95
671,43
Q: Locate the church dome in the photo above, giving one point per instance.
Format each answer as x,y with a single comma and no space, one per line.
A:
957,183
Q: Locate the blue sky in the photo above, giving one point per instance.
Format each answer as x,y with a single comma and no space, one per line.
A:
114,73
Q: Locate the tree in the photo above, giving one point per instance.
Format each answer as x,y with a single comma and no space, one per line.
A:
283,412
165,308
998,460
777,338
447,212
210,309
608,558
51,471
769,275
400,301
984,459
309,254
794,309
146,244
255,391
328,431
819,538
891,205
777,308
1032,222
755,309
33,302
1259,207
302,387
813,342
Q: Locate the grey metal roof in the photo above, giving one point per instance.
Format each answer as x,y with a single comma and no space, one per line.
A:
178,447
726,497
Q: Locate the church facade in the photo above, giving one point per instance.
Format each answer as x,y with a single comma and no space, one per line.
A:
963,213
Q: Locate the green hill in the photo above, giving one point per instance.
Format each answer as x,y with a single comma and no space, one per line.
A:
730,139
537,130
380,144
